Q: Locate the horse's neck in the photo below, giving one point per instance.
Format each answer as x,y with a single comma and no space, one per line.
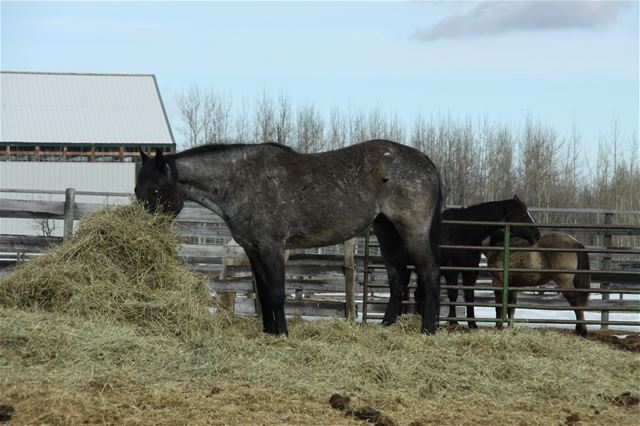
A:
197,176
477,233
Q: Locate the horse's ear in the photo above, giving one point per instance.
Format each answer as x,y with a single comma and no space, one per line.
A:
143,156
515,197
161,162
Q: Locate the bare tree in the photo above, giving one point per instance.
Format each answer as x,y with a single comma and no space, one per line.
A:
206,116
46,226
242,125
216,117
337,136
283,123
264,124
539,171
191,110
377,124
309,129
357,128
395,129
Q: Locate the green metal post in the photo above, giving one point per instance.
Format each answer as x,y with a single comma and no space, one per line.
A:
365,282
505,275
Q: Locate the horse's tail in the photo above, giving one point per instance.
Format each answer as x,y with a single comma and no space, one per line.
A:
435,232
582,281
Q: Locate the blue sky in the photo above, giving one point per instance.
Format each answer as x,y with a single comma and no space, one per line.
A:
557,62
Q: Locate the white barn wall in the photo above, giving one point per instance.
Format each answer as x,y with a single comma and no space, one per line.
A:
58,176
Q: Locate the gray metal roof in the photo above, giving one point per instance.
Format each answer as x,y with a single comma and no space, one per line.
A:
82,109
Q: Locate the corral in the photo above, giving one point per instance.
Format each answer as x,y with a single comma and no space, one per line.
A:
106,362
330,281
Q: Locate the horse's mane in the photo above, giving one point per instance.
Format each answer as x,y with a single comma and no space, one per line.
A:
219,147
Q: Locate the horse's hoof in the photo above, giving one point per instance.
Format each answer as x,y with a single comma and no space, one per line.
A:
388,320
431,330
453,322
473,325
582,332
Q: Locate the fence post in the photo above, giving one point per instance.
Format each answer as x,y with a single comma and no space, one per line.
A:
349,279
606,266
505,275
69,210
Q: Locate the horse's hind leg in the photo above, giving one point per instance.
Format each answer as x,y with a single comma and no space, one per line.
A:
395,259
576,300
451,278
497,284
419,250
469,280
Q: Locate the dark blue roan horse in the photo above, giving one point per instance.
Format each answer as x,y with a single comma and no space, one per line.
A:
273,198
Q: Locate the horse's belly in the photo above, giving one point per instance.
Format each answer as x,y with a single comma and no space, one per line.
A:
325,236
522,260
327,223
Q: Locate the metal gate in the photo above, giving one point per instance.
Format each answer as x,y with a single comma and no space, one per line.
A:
604,274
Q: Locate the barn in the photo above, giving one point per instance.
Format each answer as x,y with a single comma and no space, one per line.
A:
62,130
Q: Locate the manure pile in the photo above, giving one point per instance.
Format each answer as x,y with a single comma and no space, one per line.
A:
109,328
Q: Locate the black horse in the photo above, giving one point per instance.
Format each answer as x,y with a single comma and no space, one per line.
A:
510,210
273,198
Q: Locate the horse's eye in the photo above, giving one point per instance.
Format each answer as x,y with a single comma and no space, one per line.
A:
155,192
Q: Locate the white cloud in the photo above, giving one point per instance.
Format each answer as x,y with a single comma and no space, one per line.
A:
501,17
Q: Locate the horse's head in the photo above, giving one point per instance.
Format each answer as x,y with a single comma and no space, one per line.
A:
156,185
516,211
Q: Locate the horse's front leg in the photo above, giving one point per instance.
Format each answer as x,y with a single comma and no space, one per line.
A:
272,257
512,298
259,274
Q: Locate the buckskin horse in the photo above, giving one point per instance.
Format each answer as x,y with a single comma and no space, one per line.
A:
273,198
556,260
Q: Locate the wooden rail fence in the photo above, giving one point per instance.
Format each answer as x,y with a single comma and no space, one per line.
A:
326,281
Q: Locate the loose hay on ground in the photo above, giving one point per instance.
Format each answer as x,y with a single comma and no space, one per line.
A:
64,363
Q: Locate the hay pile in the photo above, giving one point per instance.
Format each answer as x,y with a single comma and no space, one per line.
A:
132,343
120,265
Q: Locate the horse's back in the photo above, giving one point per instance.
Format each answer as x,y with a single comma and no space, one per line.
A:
325,198
544,260
560,240
392,173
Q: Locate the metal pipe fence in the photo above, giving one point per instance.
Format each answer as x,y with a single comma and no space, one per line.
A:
605,273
